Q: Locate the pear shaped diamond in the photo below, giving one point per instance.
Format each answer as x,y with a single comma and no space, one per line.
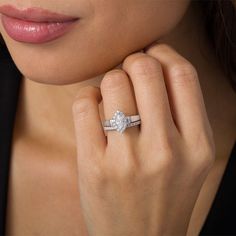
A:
119,121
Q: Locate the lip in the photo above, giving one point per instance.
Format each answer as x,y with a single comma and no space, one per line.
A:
35,25
35,14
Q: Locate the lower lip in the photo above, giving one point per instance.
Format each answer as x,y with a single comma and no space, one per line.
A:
34,32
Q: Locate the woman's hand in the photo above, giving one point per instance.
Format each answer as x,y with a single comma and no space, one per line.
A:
145,181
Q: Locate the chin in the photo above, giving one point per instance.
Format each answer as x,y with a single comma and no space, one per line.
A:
55,67
62,78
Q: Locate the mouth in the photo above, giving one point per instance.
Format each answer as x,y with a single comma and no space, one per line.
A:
35,25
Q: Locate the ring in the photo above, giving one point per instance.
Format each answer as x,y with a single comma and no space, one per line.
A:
120,122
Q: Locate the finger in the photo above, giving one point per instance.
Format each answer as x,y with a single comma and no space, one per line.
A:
88,128
183,87
150,91
117,93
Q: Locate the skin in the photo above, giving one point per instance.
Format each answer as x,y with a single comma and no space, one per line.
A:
96,28
64,128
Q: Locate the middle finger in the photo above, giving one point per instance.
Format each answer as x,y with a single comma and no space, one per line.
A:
151,93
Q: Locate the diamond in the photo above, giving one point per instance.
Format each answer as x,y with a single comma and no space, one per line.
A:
120,121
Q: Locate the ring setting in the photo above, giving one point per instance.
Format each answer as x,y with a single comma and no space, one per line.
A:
120,122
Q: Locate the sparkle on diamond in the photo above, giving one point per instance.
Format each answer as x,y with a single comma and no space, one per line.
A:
119,121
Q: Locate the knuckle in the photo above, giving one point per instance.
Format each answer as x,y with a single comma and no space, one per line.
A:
131,58
115,79
143,65
207,144
146,67
203,165
162,47
96,179
166,160
164,165
124,172
209,155
166,144
183,73
166,155
82,106
205,156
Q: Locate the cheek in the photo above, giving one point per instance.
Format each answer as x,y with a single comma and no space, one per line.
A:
99,42
150,21
129,25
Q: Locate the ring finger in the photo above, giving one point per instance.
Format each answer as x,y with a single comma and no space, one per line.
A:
118,94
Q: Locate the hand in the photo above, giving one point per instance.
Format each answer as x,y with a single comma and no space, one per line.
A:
145,181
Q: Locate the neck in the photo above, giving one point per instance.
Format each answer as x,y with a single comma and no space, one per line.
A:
45,111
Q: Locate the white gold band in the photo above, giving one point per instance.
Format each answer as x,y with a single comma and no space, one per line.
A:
109,128
120,122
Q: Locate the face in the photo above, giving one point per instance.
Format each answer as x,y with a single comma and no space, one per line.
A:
107,32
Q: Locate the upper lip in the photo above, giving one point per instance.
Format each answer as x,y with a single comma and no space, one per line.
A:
35,14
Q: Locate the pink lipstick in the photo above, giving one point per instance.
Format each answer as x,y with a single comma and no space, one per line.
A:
35,25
